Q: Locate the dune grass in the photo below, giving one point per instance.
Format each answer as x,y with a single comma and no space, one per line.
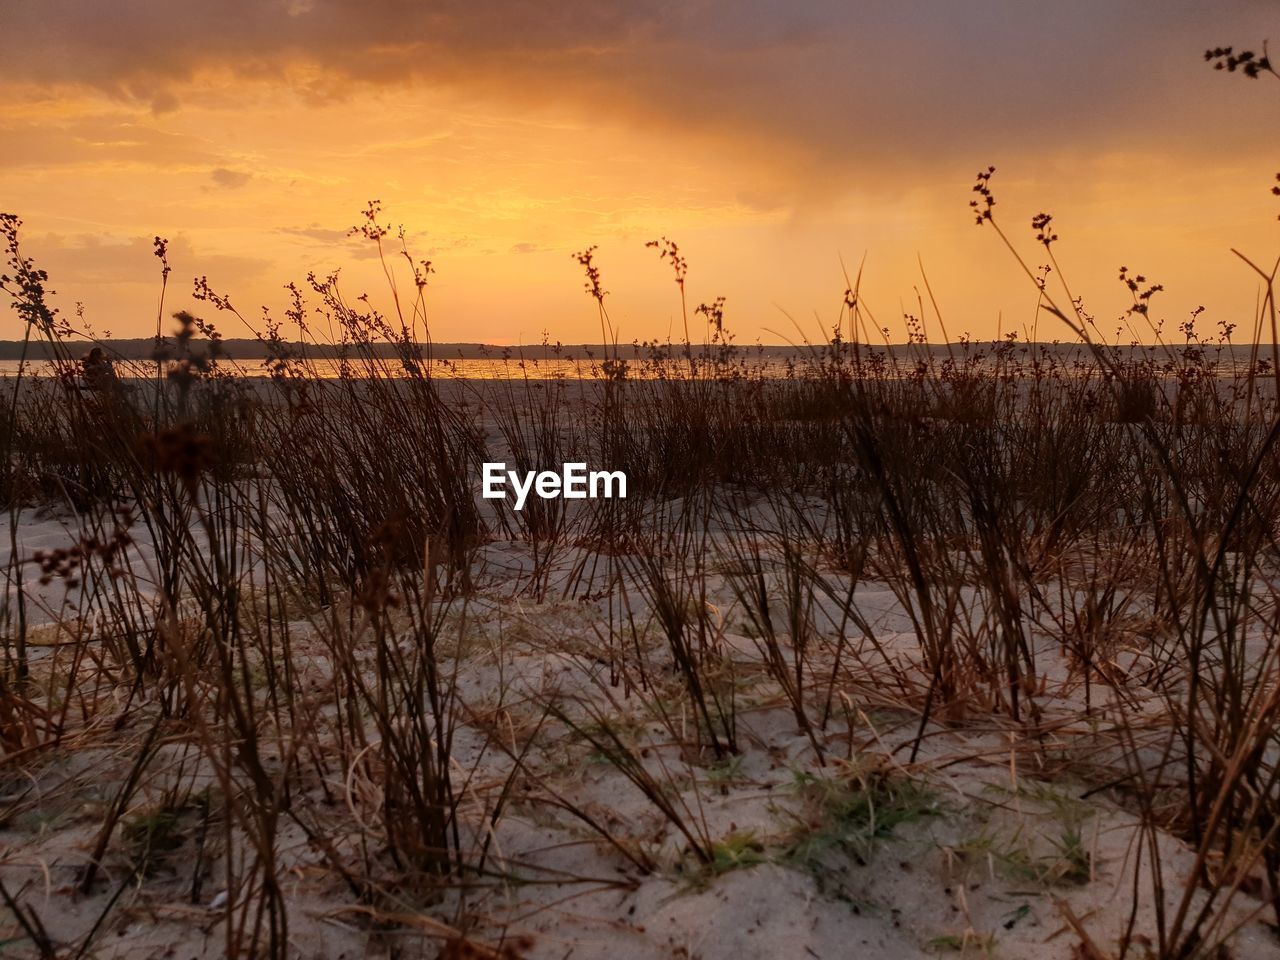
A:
1081,542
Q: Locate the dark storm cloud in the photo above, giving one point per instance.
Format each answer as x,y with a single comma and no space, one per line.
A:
847,86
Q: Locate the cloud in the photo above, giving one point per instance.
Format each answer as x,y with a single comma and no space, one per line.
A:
230,179
113,139
316,234
327,241
98,259
838,90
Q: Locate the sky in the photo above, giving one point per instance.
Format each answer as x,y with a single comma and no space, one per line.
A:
782,145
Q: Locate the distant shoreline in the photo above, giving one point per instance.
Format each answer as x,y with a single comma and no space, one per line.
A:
142,348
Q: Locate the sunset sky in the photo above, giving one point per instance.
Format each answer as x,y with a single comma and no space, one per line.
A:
771,140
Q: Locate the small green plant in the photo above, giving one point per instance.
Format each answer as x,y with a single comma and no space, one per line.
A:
1019,858
1075,863
725,773
969,943
853,812
738,849
151,837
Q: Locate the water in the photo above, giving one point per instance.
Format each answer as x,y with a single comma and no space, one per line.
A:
900,361
553,368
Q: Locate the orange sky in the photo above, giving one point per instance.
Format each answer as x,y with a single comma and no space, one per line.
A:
769,139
